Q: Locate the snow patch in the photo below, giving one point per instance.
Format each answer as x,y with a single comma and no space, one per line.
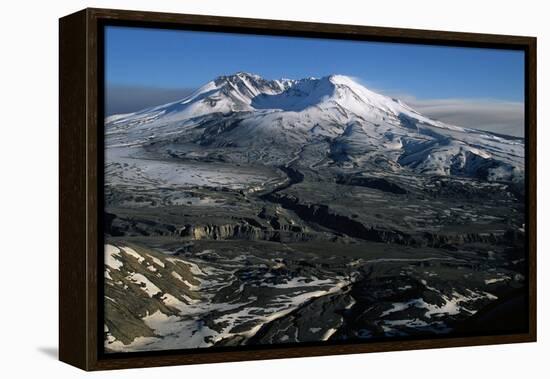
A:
133,253
111,252
147,286
157,261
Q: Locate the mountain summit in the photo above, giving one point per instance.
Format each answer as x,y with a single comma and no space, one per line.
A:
249,92
244,117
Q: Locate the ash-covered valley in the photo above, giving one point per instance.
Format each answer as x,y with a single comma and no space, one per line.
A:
288,211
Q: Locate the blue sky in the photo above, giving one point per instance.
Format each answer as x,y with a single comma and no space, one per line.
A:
184,59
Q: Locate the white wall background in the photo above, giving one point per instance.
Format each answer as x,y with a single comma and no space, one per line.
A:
28,191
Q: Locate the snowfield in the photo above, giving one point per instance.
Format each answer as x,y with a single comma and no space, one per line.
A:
230,318
125,167
360,126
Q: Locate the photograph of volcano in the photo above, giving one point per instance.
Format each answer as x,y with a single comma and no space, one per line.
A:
271,190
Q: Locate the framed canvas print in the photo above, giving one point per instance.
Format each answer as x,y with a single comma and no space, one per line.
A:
237,189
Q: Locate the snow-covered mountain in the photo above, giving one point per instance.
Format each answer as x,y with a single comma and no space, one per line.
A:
336,119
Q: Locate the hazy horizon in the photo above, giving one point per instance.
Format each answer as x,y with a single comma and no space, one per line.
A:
503,117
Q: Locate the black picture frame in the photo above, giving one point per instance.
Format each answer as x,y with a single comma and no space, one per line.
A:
81,183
